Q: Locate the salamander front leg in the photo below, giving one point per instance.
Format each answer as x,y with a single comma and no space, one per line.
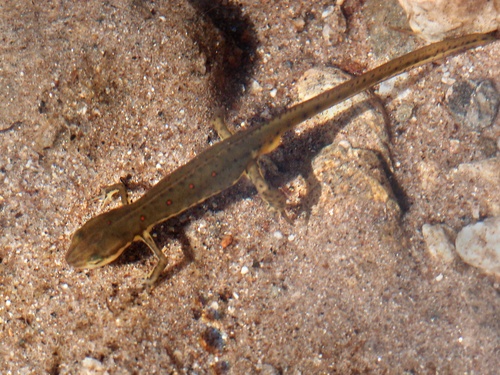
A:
162,259
110,191
273,197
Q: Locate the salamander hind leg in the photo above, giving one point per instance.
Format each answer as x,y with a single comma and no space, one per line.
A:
220,127
273,197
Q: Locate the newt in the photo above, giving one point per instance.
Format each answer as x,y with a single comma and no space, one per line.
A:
103,238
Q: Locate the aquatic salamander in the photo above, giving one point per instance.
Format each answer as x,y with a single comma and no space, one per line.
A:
103,238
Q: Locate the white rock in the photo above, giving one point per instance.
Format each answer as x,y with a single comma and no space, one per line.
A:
437,19
438,239
479,245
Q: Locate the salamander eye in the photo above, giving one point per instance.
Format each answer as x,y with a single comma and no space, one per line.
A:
95,260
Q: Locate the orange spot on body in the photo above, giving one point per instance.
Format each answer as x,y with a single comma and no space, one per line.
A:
191,186
143,217
214,173
169,202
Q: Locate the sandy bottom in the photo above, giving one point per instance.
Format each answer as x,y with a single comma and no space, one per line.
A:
94,91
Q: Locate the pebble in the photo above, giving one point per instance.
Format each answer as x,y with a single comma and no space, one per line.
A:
404,112
438,239
479,245
91,366
437,19
335,25
267,369
474,103
367,128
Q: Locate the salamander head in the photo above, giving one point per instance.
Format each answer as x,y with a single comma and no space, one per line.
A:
95,244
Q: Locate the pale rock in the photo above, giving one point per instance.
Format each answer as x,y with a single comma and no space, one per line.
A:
435,20
439,241
479,245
